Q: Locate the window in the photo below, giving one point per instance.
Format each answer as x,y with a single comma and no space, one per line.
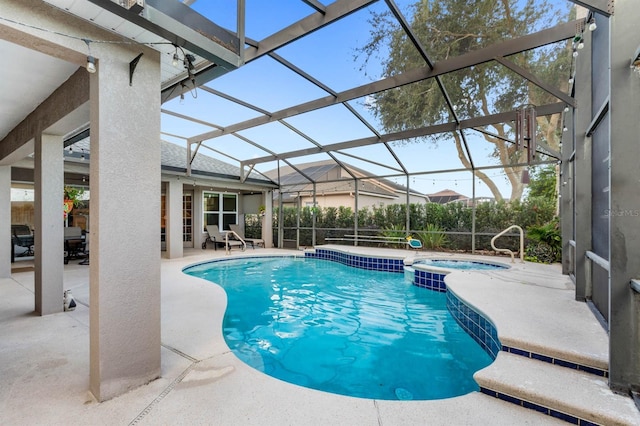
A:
220,209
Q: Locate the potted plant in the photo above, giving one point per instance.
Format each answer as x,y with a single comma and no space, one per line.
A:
72,197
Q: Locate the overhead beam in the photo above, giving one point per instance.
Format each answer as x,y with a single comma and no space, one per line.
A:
319,7
183,26
535,80
409,134
71,95
603,7
335,11
506,48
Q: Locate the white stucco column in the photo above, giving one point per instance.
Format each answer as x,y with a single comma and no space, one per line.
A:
49,223
267,219
174,219
5,225
124,221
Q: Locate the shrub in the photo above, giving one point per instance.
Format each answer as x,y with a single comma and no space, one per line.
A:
432,237
547,235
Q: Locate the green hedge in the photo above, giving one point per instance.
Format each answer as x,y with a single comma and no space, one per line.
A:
429,218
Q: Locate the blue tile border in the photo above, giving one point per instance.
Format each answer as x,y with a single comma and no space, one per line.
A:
358,261
430,279
537,407
556,361
480,328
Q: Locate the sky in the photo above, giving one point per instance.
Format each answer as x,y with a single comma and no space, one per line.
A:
329,55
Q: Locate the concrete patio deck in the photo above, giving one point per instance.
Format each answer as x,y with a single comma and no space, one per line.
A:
44,361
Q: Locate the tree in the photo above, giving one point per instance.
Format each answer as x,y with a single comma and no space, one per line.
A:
455,27
543,183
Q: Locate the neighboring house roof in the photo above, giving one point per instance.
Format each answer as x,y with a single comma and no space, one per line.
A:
445,196
341,181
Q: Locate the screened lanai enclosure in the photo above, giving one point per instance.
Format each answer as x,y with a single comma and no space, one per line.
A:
363,109
427,118
448,121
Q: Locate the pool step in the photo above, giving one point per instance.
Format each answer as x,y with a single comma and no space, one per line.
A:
575,396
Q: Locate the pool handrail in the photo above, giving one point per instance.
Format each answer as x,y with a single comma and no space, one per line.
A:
505,250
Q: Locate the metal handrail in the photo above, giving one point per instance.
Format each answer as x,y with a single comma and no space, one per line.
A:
504,250
598,260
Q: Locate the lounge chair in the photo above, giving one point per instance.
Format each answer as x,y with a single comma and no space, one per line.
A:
216,238
253,241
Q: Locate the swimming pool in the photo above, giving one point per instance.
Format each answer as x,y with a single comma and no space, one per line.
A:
344,330
460,264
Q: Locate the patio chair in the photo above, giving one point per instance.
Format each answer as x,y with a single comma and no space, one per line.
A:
23,237
217,238
253,241
74,243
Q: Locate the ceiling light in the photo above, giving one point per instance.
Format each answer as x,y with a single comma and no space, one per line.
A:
91,64
176,60
566,109
580,45
592,25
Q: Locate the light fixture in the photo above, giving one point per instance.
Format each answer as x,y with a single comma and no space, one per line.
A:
566,109
575,53
570,80
91,64
635,61
592,24
578,42
176,59
565,128
189,59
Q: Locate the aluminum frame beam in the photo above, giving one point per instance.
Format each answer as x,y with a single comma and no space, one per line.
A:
336,10
603,7
535,80
408,134
506,48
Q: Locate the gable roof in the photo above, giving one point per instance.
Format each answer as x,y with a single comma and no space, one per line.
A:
329,178
446,196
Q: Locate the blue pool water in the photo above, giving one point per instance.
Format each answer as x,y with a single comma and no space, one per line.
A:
459,264
344,330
